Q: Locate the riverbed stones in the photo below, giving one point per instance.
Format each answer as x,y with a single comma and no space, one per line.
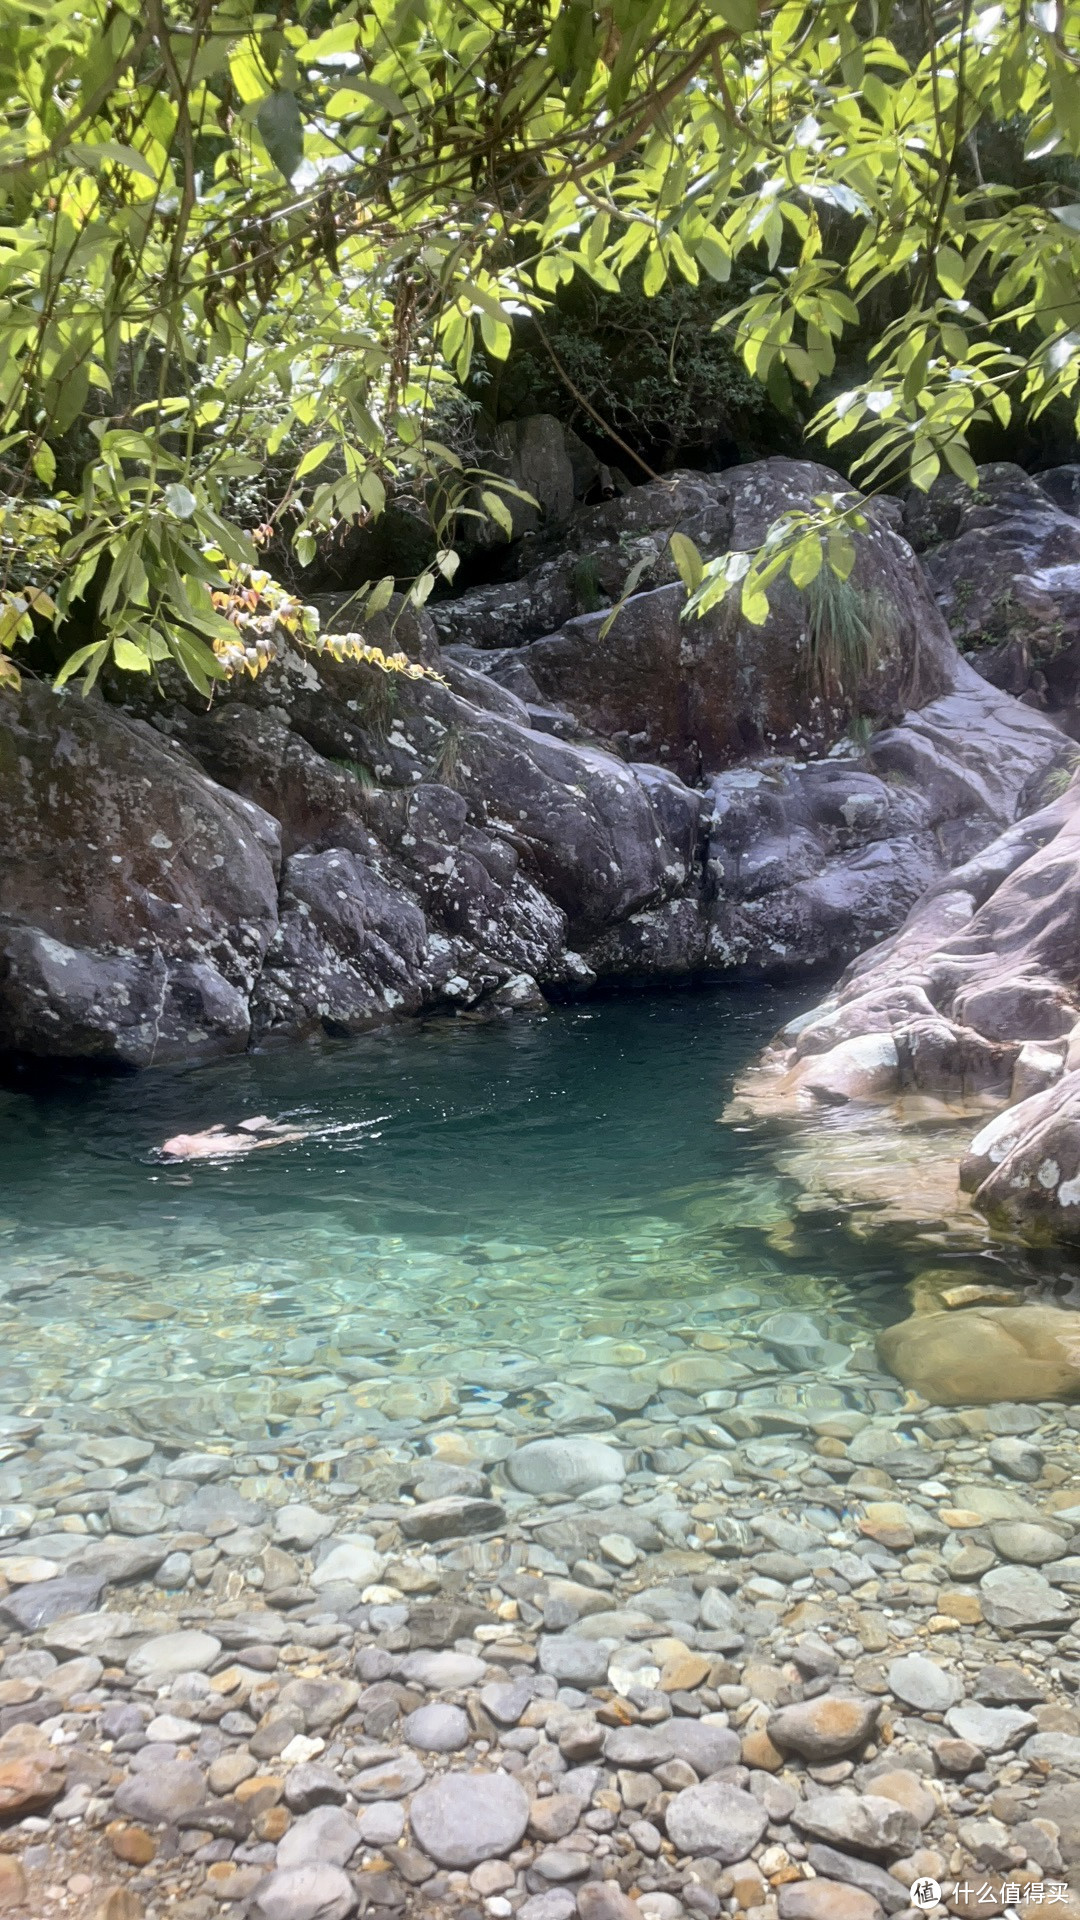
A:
574,1465
1026,1543
463,1818
39,1604
313,1892
300,1525
444,1670
453,1514
326,1835
825,1900
608,1652
1020,1600
163,1793
30,1782
347,1561
922,1684
826,1728
962,1358
881,1886
574,1661
437,1728
863,1823
715,1819
159,1659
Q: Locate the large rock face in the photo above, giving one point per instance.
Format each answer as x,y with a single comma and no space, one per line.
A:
977,995
137,899
329,849
806,863
700,694
1004,564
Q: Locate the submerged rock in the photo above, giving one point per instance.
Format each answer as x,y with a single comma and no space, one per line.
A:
463,1818
576,1465
967,1357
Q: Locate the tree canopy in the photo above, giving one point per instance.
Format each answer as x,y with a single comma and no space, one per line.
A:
246,256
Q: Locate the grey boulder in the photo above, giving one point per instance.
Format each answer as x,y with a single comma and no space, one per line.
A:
463,1818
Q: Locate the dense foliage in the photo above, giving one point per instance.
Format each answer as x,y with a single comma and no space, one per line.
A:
236,241
657,372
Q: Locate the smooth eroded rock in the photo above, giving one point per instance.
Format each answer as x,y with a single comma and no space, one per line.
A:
463,1818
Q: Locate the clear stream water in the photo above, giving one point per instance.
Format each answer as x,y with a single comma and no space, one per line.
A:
477,1206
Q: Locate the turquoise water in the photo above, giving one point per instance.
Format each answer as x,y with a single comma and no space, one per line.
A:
515,1126
534,1189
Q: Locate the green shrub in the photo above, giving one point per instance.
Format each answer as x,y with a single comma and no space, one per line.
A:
655,371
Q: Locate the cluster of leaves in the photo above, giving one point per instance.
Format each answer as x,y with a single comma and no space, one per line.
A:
659,371
800,544
227,232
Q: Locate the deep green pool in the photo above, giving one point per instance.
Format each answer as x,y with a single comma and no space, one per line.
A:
543,1186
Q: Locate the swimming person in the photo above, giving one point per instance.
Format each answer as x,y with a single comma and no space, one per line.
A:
215,1143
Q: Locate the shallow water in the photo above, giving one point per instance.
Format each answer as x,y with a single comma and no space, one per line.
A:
486,1206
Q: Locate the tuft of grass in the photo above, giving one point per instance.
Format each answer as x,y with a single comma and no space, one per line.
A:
364,774
1056,782
445,764
377,702
585,581
848,631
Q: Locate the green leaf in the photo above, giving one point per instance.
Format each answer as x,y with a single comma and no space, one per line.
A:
499,511
380,596
179,500
96,651
655,273
97,153
496,336
714,257
840,548
951,272
305,547
924,471
130,657
281,124
44,464
754,602
372,491
806,560
742,15
688,561
313,458
961,462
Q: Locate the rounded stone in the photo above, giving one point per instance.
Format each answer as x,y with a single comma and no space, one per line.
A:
920,1684
437,1728
717,1819
463,1818
444,1669
350,1561
382,1824
826,1900
993,1729
573,1661
327,1836
306,1893
824,1729
161,1793
574,1465
167,1654
1025,1543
